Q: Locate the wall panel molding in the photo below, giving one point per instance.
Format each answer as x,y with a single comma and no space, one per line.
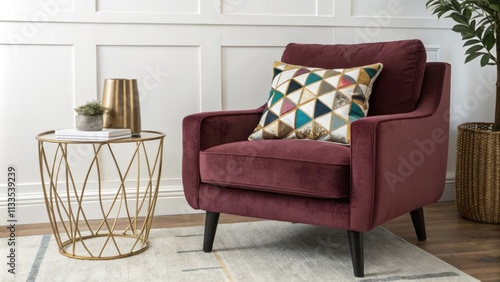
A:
401,13
390,9
280,7
432,53
36,6
189,56
149,6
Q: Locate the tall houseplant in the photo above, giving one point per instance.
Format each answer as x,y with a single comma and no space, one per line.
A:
477,188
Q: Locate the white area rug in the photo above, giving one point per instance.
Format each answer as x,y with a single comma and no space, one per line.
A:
253,251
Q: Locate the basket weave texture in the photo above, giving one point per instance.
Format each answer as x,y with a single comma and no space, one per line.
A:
477,180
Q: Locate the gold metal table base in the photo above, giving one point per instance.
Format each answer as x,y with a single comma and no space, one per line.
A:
138,242
126,216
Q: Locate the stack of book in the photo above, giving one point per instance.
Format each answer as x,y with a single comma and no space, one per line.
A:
102,135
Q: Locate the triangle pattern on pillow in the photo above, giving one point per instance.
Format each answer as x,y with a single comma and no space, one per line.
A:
315,103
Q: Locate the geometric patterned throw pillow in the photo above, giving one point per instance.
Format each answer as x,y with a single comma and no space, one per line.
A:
315,103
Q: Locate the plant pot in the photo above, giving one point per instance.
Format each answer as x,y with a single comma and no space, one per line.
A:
477,186
89,123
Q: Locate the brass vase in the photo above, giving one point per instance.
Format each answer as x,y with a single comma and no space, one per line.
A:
121,97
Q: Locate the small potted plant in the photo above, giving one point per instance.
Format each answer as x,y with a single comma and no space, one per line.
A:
90,116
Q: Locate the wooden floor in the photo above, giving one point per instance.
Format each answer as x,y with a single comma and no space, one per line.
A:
469,246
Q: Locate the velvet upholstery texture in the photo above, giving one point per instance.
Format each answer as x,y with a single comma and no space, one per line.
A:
398,86
396,163
297,167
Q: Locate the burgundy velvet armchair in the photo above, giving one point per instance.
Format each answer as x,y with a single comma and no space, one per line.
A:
395,164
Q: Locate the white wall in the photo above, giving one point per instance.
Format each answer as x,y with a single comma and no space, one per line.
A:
189,56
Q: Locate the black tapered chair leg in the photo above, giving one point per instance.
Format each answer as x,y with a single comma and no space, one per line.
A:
211,221
356,245
417,217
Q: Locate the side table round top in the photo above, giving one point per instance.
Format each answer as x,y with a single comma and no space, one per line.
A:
146,135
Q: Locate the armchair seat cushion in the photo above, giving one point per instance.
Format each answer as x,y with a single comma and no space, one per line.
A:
307,168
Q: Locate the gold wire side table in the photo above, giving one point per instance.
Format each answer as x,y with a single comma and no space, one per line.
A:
92,218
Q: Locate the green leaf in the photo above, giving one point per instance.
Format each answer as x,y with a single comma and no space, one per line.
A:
479,32
472,41
485,59
459,18
467,13
489,40
456,5
468,36
440,14
472,24
495,7
460,28
431,3
472,57
474,49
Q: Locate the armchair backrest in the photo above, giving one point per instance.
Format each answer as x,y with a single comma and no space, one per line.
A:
397,89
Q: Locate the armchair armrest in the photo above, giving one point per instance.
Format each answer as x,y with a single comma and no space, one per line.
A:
398,162
204,130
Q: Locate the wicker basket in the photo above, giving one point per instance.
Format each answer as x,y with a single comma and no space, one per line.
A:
477,187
